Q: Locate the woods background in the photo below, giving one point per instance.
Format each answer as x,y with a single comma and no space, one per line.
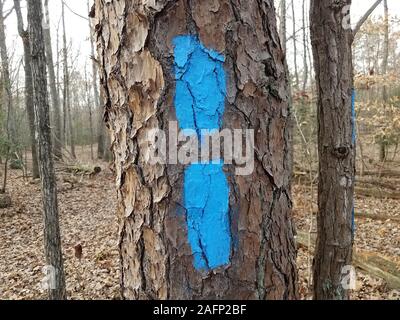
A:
102,257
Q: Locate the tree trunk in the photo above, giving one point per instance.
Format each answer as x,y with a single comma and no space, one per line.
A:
67,94
7,98
52,238
296,71
282,26
89,106
305,64
29,106
168,249
100,107
383,144
332,51
55,98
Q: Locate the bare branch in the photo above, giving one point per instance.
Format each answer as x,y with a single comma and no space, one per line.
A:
8,13
365,17
75,13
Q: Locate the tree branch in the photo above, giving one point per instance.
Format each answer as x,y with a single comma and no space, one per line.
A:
8,13
365,17
75,13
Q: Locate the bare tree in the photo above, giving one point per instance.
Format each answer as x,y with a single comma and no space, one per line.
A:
332,39
89,106
305,64
296,71
385,59
282,26
29,106
7,91
55,98
67,93
100,111
52,238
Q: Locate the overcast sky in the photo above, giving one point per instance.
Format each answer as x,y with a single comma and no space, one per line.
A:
78,30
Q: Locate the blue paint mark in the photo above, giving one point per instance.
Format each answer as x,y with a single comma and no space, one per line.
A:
200,103
353,115
206,200
200,85
354,137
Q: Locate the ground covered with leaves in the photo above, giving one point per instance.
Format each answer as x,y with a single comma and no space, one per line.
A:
87,218
379,237
87,214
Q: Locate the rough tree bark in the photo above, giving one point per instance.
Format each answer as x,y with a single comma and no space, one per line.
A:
29,106
332,40
55,98
331,43
135,46
52,241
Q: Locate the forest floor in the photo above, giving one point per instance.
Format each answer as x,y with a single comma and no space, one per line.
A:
87,214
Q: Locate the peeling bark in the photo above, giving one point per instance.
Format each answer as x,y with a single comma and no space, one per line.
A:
134,42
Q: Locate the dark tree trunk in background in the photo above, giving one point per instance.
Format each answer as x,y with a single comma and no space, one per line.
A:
29,105
52,239
134,40
55,98
331,44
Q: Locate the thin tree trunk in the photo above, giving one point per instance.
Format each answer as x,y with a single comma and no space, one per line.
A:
101,135
29,105
334,79
383,145
52,238
158,261
296,71
305,64
282,27
58,80
67,94
6,86
89,105
55,98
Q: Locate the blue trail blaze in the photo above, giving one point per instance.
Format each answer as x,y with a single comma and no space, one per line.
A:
200,102
353,116
354,138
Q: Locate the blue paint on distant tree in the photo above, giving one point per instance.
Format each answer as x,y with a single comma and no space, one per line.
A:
200,102
353,116
354,139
